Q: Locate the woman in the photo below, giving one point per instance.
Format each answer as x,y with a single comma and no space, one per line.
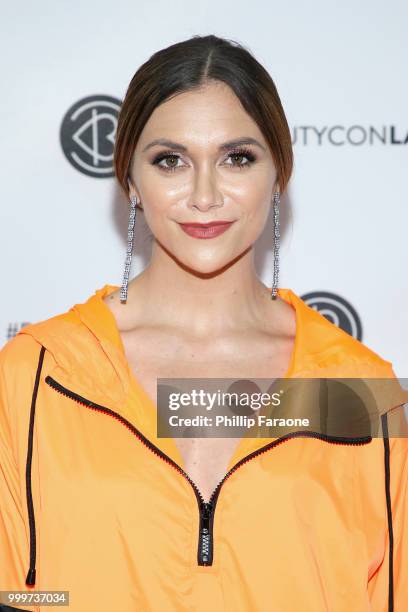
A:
123,519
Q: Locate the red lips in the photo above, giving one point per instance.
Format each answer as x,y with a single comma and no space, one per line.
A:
206,230
209,224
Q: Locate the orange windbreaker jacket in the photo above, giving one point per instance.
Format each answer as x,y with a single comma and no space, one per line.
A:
92,502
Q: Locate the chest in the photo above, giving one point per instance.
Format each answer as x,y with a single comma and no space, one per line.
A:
205,459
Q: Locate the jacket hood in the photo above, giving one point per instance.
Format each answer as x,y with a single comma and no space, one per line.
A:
87,349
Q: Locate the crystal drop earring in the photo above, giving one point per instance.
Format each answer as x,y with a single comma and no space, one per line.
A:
129,250
276,200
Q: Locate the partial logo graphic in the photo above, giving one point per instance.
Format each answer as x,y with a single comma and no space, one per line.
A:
349,135
87,135
337,310
14,328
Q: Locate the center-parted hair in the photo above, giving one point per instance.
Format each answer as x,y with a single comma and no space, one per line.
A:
190,65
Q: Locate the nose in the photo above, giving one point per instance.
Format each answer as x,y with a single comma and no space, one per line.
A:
205,194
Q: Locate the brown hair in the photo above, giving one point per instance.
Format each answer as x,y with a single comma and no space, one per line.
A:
189,65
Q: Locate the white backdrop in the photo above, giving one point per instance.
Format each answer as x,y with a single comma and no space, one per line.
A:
340,69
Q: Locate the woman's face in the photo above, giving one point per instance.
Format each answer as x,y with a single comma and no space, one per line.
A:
197,178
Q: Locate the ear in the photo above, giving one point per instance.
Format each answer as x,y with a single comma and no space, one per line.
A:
131,188
133,192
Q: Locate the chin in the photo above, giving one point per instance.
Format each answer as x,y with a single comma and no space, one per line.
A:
203,258
208,266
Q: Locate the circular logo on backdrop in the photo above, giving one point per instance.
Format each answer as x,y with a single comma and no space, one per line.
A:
87,135
337,310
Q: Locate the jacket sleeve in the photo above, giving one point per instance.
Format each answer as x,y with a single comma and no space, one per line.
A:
388,587
15,379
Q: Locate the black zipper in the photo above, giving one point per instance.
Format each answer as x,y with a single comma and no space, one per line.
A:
205,550
205,540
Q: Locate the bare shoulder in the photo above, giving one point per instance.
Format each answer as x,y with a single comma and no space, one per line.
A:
279,317
288,320
113,302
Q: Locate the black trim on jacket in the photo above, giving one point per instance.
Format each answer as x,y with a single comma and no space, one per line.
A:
30,579
389,512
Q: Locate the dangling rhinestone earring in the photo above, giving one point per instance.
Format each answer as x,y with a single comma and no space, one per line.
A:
129,251
276,200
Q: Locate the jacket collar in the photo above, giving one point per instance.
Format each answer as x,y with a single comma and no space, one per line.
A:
90,359
320,349
319,345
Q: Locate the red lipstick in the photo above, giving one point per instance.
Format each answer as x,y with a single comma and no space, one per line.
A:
205,230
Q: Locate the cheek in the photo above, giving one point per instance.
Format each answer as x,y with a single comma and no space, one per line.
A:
259,217
158,201
254,194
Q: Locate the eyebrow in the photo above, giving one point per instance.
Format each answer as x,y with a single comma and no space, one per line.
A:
246,140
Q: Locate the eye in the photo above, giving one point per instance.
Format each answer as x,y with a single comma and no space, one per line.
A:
164,157
238,154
